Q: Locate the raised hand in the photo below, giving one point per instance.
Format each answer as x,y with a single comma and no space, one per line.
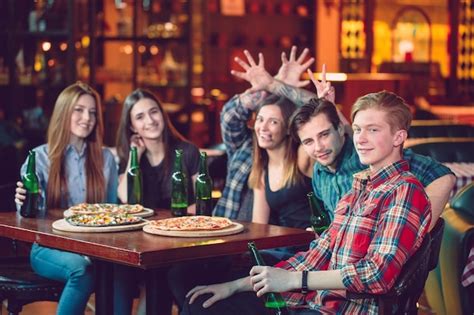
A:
266,279
219,292
291,70
323,87
254,73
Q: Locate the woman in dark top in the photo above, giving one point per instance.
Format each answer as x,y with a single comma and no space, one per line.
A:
145,125
281,170
289,205
281,173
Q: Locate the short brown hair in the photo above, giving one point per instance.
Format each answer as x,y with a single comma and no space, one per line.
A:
398,112
314,107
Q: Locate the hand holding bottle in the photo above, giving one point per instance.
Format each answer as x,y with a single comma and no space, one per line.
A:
137,141
266,279
20,193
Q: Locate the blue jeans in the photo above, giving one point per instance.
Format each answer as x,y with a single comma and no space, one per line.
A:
73,269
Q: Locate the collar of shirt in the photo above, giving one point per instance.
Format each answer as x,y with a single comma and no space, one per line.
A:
71,150
365,179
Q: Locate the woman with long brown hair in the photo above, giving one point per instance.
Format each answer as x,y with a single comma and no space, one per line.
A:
145,125
281,170
72,167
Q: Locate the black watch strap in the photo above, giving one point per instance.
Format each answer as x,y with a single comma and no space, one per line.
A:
304,282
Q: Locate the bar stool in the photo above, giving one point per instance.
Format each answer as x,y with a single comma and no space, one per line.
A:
20,285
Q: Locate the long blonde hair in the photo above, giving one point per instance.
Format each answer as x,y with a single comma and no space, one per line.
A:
58,138
292,174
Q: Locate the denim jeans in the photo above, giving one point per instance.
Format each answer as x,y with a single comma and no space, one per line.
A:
73,269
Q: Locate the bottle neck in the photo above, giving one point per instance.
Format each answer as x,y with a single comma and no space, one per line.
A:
203,164
314,205
177,161
258,260
133,158
31,167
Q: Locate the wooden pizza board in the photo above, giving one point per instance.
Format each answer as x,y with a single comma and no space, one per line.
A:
63,225
233,229
147,212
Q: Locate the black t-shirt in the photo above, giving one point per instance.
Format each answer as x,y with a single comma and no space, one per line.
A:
157,183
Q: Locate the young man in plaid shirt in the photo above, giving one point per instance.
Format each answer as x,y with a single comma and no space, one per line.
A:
318,127
377,226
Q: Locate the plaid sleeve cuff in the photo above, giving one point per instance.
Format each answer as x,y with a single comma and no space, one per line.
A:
350,279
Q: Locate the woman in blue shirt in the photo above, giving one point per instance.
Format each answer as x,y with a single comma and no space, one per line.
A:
72,167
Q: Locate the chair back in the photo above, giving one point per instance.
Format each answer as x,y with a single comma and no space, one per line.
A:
403,296
436,235
411,281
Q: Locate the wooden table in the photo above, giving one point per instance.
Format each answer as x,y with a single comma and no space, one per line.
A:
142,250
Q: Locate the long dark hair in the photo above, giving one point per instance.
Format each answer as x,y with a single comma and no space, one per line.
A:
170,135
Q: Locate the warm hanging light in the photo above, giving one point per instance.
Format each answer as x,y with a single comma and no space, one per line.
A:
46,46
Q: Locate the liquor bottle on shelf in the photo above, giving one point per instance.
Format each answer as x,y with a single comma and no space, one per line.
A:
273,300
203,188
169,68
179,187
134,180
319,219
30,206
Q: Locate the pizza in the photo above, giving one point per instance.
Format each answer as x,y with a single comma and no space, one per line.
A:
191,223
94,208
103,219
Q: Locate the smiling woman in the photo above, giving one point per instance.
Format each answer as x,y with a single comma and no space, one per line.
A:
72,168
83,118
145,125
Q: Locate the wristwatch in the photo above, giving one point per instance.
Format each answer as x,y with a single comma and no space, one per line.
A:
304,282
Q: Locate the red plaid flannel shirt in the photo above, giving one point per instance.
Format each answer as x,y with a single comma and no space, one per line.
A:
377,226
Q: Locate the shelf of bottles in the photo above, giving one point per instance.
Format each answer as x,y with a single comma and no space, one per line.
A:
40,43
465,66
143,43
257,25
353,37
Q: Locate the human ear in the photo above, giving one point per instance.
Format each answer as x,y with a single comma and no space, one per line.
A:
399,137
340,129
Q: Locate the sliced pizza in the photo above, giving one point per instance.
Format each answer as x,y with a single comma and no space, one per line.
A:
103,219
95,208
192,223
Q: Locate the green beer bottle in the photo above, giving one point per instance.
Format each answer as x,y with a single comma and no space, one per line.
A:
320,219
273,301
30,206
203,188
134,180
179,187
